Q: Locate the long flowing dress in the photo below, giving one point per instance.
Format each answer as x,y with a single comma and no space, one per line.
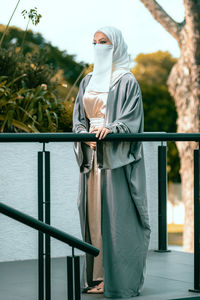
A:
95,107
112,197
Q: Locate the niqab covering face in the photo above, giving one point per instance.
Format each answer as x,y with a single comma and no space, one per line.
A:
100,81
110,61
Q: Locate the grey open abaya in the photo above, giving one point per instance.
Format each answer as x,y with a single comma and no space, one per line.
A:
124,213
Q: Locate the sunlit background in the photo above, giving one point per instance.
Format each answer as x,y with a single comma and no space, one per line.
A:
70,25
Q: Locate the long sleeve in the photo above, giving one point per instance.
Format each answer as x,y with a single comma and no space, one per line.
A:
84,154
79,118
124,115
130,117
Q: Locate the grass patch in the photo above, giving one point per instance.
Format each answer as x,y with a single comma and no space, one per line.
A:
175,234
175,228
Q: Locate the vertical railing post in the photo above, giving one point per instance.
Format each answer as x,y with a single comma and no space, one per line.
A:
73,277
162,199
47,221
40,234
196,221
77,278
70,281
70,276
44,253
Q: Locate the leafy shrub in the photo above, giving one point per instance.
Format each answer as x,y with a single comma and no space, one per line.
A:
14,64
27,110
65,117
10,63
37,70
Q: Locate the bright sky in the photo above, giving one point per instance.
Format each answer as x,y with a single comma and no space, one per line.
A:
70,25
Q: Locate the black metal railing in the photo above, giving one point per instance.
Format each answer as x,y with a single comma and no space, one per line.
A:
44,204
162,199
48,229
73,262
73,137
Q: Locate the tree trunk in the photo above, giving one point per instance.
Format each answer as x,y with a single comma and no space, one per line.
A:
184,86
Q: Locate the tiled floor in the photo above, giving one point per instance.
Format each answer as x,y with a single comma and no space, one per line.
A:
169,276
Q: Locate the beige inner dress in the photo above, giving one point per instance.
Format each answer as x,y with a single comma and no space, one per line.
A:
95,108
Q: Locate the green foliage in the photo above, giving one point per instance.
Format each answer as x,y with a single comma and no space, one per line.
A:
14,64
152,71
32,15
159,109
33,75
57,59
154,68
27,110
65,119
37,70
9,63
43,64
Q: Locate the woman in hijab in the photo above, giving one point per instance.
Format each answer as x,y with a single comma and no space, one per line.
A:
112,190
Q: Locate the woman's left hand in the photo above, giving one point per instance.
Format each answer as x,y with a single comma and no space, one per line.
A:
101,132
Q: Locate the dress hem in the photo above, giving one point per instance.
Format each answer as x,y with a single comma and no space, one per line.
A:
116,295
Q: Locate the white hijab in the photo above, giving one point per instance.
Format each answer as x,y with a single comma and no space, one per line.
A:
110,61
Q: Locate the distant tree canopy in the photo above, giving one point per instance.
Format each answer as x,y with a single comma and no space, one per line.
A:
151,71
35,42
153,67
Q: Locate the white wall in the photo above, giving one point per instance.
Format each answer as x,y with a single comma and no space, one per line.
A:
18,188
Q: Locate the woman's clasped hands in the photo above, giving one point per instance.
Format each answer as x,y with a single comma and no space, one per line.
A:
101,133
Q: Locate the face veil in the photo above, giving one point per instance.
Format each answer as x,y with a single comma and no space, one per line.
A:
110,61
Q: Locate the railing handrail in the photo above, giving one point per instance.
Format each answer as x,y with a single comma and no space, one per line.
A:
75,137
50,230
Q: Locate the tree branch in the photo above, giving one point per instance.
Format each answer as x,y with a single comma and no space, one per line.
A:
163,18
